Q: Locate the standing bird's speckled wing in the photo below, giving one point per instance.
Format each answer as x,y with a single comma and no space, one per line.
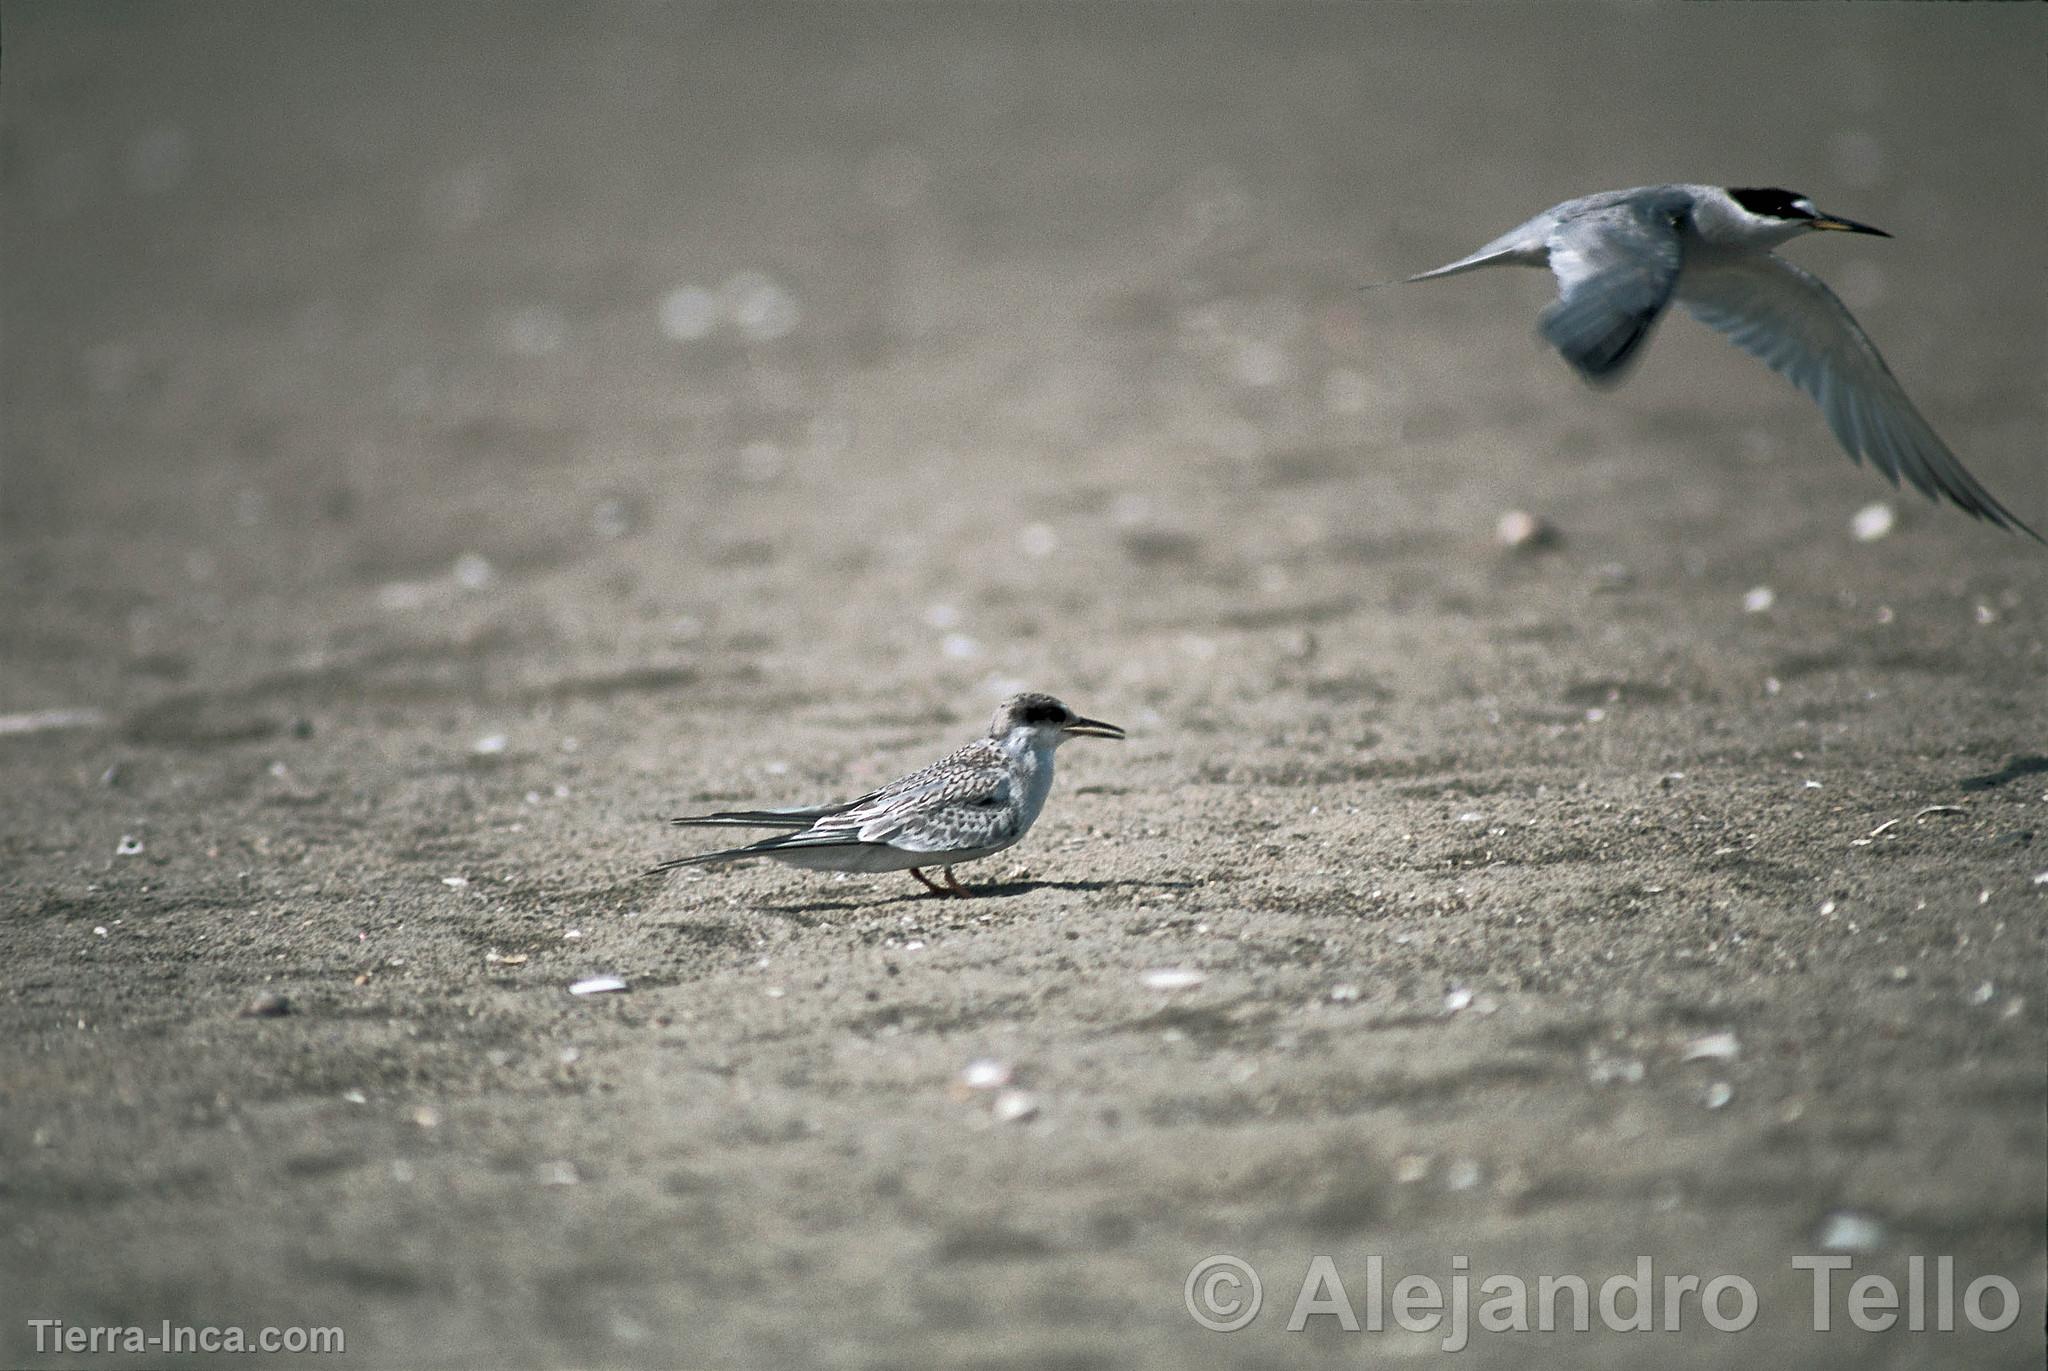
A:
976,801
1787,319
1616,268
961,802
804,816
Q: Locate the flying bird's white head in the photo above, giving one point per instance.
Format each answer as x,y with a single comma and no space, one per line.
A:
1035,723
1768,215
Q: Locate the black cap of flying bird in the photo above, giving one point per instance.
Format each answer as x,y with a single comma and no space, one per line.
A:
1790,207
1622,256
971,804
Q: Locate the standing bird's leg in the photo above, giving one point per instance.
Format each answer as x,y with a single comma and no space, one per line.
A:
953,884
928,883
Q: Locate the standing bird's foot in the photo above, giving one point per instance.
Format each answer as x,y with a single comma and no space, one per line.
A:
929,884
953,885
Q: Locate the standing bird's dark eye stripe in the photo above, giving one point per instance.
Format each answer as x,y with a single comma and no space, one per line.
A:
1771,202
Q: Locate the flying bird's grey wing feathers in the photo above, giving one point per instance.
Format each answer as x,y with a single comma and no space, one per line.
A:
1790,321
1616,268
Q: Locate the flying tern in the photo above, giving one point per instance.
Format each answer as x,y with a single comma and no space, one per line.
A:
1622,256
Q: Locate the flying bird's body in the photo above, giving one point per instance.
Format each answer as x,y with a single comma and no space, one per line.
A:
1622,257
971,804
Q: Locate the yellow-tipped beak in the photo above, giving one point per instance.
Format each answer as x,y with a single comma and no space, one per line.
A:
1829,221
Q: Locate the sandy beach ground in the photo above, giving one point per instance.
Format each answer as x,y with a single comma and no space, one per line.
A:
440,442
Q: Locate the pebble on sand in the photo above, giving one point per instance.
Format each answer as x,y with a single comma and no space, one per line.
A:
268,1005
1873,522
1848,1231
1521,531
1713,1047
985,1073
1015,1106
1171,978
1605,1070
597,985
44,720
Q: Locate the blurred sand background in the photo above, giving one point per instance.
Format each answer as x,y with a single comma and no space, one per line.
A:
441,441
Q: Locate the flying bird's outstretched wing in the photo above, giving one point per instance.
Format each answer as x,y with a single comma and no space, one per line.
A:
1791,322
1616,268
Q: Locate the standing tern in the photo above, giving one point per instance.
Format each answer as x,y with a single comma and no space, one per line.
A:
1621,256
971,804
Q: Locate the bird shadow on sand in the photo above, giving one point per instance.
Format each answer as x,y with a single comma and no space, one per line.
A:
2016,766
1000,891
1005,889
